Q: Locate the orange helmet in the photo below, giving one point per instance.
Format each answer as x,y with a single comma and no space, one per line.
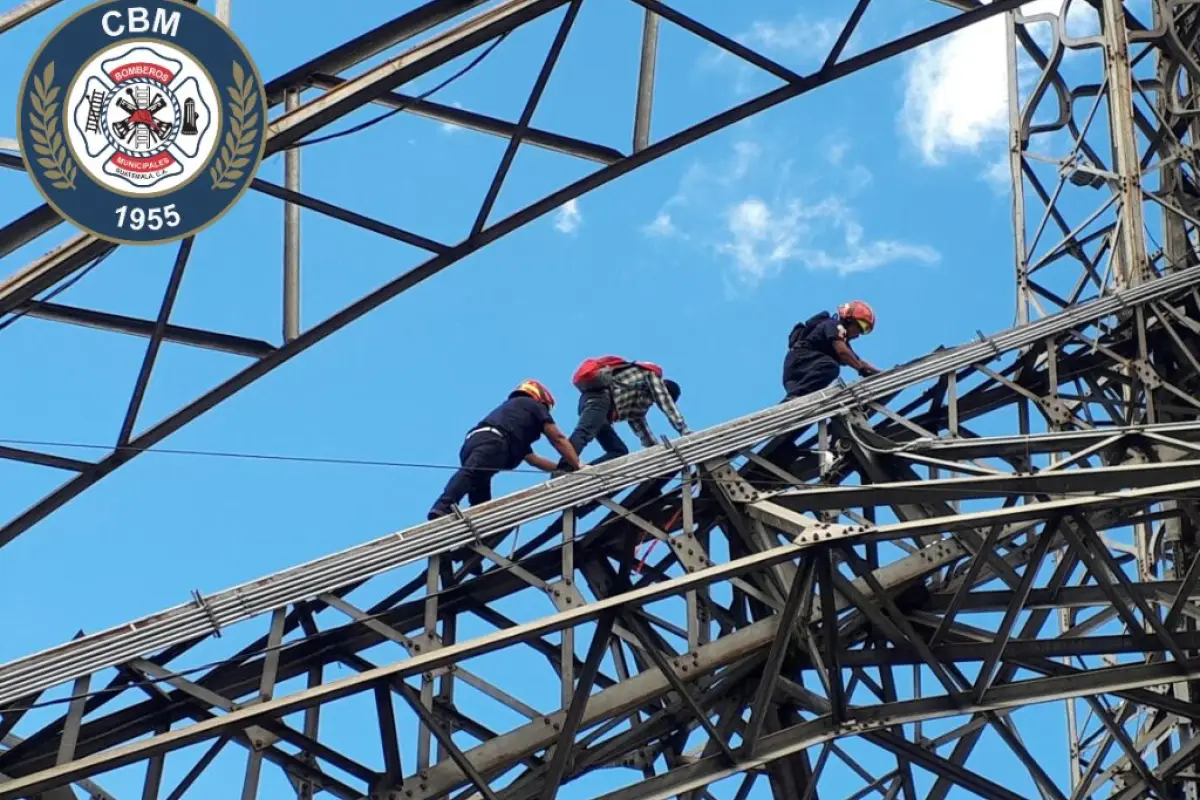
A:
537,390
860,312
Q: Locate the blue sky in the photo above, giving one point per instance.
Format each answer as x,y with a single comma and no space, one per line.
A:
883,187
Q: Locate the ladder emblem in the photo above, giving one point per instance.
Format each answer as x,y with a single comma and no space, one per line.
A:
145,119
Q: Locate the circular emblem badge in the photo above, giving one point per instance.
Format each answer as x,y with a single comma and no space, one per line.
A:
142,121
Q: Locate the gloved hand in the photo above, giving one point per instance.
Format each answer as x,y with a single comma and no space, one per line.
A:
867,370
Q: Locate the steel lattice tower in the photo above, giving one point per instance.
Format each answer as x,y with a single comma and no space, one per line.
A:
855,593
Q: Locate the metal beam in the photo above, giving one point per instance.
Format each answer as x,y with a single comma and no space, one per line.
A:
483,123
368,87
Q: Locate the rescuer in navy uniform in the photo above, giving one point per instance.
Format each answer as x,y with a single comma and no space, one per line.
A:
819,346
502,440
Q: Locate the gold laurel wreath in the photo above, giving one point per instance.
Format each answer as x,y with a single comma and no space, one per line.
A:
57,165
234,157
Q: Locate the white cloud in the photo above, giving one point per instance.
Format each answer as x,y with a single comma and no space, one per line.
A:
662,227
797,35
759,238
725,210
837,152
998,175
796,42
857,176
701,181
956,89
763,238
568,219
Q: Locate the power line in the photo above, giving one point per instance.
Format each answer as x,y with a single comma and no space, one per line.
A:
365,462
408,103
56,291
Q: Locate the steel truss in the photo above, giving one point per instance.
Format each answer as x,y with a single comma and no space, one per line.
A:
313,96
1103,104
925,560
870,590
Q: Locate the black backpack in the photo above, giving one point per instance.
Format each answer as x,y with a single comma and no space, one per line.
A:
802,329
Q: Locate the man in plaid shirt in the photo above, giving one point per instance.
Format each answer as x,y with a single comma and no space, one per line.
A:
624,392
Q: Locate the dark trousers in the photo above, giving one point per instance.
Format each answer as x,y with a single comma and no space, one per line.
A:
481,456
595,405
806,371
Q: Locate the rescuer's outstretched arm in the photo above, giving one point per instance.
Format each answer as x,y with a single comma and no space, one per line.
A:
562,445
542,463
848,357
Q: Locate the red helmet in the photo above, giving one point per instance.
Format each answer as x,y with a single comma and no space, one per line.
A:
537,390
860,312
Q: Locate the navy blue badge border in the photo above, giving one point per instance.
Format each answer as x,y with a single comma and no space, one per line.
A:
51,165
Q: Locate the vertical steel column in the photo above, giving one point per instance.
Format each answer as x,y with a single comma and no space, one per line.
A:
568,633
152,784
1175,239
1130,261
224,11
447,637
291,235
1130,247
645,89
1130,258
305,790
1016,148
432,595
1179,542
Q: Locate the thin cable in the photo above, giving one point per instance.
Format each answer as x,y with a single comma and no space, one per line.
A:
498,568
334,460
764,482
408,104
349,461
182,673
62,287
361,462
365,462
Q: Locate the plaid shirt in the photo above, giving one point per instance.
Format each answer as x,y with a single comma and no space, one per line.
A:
634,390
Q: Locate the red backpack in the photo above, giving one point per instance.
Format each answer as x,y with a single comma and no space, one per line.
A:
592,369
